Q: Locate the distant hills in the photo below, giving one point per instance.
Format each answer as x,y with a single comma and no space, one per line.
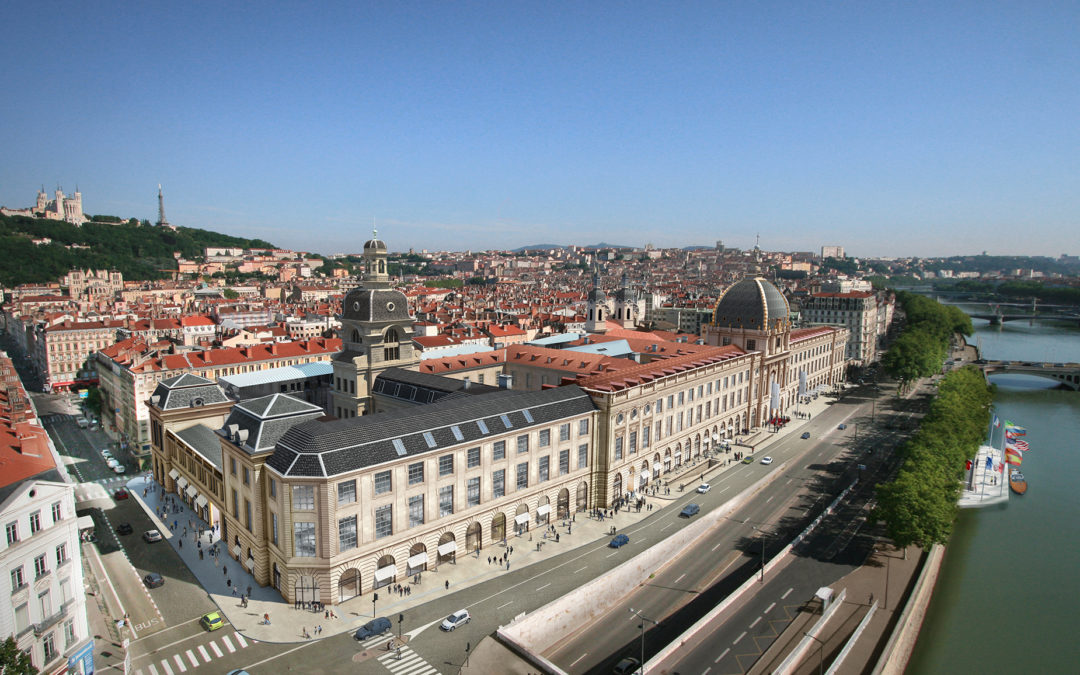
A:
137,251
548,247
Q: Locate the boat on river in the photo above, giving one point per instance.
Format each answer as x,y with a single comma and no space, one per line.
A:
1017,482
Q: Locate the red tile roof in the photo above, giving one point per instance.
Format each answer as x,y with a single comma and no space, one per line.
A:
653,370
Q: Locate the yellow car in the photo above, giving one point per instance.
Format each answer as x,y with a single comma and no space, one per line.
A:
212,621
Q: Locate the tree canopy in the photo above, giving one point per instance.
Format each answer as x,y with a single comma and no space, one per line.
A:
14,661
923,347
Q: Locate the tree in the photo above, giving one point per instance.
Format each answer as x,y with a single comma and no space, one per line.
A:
14,661
230,294
93,400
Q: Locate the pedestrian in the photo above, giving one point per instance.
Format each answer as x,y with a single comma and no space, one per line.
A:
224,570
306,635
181,543
489,560
511,549
507,565
266,619
319,628
200,554
447,584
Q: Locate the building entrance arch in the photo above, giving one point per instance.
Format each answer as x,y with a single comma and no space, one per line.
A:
348,585
418,560
543,510
447,547
385,572
562,510
474,537
498,527
307,588
583,496
521,524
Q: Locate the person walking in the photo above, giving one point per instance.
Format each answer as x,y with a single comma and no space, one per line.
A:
266,619
447,584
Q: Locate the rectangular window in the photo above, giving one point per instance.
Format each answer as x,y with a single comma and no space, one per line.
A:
522,475
235,504
472,456
41,568
545,438
303,497
17,579
633,442
645,436
564,432
22,618
472,491
273,489
523,443
416,510
273,529
678,426
528,416
446,500
659,406
564,462
48,647
232,465
506,421
482,426
383,483
583,427
429,439
583,456
346,492
346,532
12,533
544,469
247,514
56,513
247,476
618,447
446,465
61,554
304,539
498,451
458,436
70,638
498,484
416,473
384,521
35,522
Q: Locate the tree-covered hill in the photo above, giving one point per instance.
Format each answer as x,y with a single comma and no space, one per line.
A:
137,251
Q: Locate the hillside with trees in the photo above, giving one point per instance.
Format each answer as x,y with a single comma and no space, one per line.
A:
137,250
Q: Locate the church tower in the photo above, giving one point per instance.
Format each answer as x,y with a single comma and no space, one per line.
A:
596,312
376,334
626,304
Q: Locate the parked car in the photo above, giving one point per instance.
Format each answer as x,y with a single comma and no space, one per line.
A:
842,427
805,435
106,454
212,621
124,528
627,666
111,463
120,494
150,536
372,628
766,460
689,510
703,488
82,422
119,468
619,540
458,618
153,580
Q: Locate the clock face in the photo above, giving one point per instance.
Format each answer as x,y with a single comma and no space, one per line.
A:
389,306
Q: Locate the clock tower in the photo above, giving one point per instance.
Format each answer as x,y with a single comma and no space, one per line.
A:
376,334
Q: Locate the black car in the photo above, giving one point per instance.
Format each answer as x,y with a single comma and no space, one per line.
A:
124,528
153,580
372,628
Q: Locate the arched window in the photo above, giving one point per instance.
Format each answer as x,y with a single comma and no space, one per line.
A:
391,350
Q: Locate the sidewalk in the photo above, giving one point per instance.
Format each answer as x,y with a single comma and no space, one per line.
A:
221,575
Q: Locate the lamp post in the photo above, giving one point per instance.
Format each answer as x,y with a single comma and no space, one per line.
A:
643,620
763,533
821,656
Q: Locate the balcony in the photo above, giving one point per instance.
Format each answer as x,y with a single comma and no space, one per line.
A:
49,622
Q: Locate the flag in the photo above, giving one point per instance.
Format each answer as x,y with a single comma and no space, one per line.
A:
1001,467
997,421
1009,436
1013,457
1015,428
989,462
1021,445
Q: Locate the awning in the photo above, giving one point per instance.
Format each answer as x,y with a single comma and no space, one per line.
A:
521,518
173,474
236,550
418,560
191,491
543,510
384,573
85,523
250,562
656,468
182,482
200,501
716,438
447,548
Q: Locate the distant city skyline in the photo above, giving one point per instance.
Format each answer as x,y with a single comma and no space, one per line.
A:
923,128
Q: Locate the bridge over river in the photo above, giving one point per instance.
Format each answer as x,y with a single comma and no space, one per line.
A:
1065,373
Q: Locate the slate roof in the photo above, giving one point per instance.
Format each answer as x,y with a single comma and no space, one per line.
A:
186,391
329,448
204,440
376,304
256,425
415,387
752,303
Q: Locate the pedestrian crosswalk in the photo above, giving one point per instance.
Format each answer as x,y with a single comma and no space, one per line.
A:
194,657
404,661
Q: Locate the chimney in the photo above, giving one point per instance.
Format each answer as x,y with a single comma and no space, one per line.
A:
506,381
465,383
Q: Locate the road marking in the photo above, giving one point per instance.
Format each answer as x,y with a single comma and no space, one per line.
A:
217,652
755,622
706,671
153,670
741,636
789,481
278,656
786,593
165,666
680,578
666,526
579,658
615,553
504,605
228,644
769,608
722,655
179,663
543,587
164,630
191,657
717,546
769,499
580,570
204,654
240,639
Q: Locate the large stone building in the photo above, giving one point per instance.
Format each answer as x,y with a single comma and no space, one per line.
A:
61,207
857,311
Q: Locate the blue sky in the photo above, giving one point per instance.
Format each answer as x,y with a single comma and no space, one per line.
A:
903,128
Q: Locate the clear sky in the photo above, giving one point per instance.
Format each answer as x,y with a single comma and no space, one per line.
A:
891,128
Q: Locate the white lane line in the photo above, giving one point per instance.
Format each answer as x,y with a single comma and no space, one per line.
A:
191,657
153,670
166,668
506,604
706,671
755,622
680,578
789,481
165,630
204,654
722,655
580,570
217,652
228,643
611,554
769,499
579,658
241,640
717,546
179,663
543,587
278,656
741,636
666,526
769,608
786,593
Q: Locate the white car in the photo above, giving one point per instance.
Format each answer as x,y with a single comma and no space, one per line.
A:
119,468
112,463
766,460
458,618
703,488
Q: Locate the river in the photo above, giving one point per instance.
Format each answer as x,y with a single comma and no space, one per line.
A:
1009,590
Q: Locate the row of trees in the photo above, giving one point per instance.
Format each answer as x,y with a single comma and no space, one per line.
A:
1019,290
923,347
919,506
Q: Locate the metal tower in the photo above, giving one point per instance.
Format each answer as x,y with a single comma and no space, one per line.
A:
161,221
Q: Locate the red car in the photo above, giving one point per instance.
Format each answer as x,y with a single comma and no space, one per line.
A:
120,494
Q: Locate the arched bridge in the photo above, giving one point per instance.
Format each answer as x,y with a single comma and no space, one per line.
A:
1065,373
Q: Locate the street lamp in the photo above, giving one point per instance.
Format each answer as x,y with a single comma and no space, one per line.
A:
643,620
763,532
821,656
